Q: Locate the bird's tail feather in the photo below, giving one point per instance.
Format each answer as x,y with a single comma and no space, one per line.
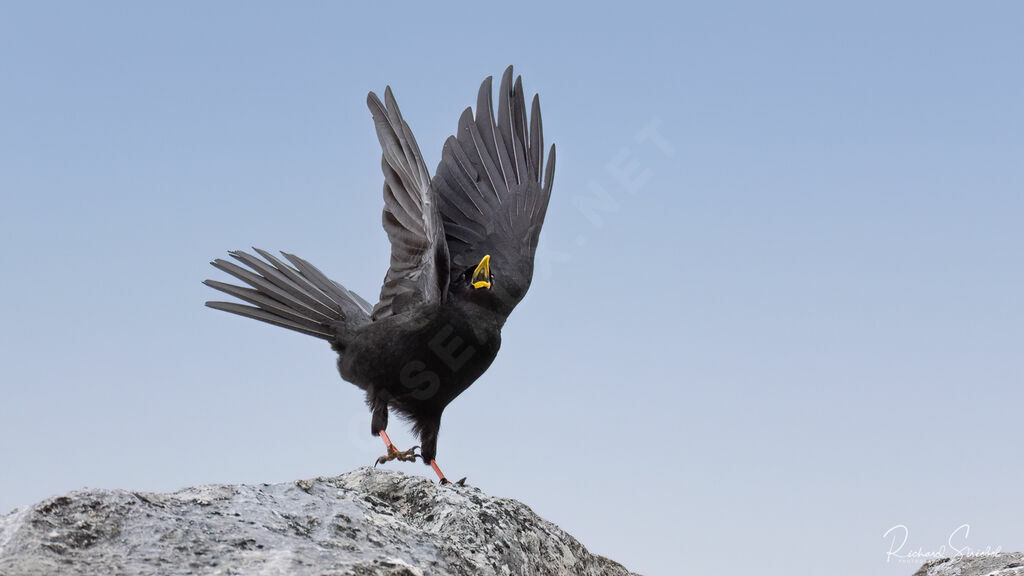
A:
298,297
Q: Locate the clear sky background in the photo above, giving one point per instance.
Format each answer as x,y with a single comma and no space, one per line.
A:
778,307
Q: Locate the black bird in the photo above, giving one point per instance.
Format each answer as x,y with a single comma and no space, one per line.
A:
462,249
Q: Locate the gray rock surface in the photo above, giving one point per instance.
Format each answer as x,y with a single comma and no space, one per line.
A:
1005,564
366,522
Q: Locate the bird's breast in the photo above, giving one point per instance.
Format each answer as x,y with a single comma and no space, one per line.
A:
442,353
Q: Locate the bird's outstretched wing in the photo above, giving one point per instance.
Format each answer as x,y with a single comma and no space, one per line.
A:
419,256
490,191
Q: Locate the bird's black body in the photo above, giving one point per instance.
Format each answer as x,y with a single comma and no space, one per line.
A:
437,326
418,362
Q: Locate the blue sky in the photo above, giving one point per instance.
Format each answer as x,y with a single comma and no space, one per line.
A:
778,308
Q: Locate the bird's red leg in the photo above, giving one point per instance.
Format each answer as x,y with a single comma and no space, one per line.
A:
440,475
394,453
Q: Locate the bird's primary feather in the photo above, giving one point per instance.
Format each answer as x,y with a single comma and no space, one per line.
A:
419,258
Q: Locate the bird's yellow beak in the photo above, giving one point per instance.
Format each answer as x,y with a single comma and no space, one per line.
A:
482,274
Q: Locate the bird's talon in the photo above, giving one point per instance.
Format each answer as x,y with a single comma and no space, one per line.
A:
409,455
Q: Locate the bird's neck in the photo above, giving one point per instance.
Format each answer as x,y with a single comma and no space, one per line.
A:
480,312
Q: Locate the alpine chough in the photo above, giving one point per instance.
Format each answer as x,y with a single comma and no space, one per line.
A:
462,250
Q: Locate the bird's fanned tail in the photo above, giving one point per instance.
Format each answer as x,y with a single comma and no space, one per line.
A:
298,297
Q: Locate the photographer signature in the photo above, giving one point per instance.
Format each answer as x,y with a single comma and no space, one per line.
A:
900,534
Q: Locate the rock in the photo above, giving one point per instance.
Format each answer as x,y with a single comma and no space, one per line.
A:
367,522
1002,564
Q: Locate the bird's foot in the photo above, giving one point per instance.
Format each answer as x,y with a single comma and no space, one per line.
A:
409,455
444,481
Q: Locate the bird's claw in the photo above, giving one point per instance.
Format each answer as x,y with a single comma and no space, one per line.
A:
409,455
445,481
